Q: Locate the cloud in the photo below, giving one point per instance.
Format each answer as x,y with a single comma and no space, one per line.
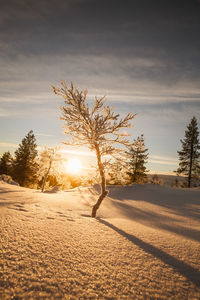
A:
5,144
28,10
162,160
95,72
4,113
44,134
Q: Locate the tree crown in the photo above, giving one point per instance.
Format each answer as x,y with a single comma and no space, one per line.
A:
95,126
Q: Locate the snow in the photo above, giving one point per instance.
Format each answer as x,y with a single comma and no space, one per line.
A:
145,243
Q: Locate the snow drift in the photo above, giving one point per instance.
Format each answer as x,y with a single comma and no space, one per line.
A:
145,243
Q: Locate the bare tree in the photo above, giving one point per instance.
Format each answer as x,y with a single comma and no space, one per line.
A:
97,127
48,163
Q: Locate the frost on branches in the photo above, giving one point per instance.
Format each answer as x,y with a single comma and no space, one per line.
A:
97,127
48,164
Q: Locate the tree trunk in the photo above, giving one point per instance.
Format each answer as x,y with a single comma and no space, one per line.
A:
135,170
104,192
191,160
43,183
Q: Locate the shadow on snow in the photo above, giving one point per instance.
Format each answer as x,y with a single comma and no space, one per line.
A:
181,267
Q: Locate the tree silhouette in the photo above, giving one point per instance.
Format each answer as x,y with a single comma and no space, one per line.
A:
189,155
97,127
25,165
6,163
138,157
48,164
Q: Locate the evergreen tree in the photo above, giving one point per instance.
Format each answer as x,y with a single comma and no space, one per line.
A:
138,158
6,163
25,165
189,164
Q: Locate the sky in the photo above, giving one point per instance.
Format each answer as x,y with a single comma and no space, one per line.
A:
143,55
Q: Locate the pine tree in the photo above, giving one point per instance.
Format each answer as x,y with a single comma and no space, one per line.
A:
138,158
6,163
97,127
25,165
189,164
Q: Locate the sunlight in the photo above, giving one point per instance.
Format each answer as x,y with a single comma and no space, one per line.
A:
73,165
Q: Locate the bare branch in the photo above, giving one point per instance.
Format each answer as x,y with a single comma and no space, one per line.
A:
97,127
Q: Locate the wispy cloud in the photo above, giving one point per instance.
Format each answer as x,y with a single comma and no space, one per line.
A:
28,10
99,77
162,160
44,134
4,112
5,144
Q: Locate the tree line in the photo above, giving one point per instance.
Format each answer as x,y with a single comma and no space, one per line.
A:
29,168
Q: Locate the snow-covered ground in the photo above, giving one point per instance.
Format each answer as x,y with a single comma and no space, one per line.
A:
145,244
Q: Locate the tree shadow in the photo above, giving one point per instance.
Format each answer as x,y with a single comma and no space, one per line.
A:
7,192
166,197
181,267
7,203
156,220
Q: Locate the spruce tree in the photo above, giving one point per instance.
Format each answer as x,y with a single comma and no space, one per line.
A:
189,164
138,157
25,165
6,163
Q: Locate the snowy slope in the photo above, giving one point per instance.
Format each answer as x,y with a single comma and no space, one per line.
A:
144,244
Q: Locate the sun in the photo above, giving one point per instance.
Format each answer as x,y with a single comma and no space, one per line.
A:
73,165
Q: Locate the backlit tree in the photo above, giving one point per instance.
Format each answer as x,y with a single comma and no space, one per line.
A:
48,164
138,156
189,156
6,163
25,165
97,127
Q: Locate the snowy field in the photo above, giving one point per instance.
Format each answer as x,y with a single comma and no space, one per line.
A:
145,244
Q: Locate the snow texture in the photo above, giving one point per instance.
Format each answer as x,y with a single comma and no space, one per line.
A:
145,244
